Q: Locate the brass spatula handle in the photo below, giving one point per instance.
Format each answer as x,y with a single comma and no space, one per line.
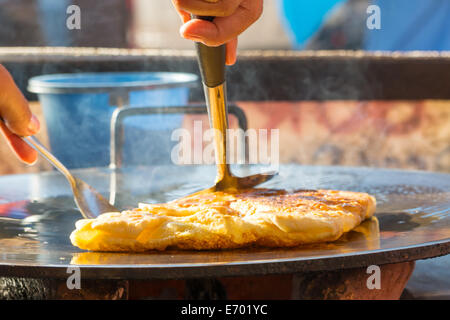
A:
211,61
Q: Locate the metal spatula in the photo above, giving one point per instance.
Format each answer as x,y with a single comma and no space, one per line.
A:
212,68
89,201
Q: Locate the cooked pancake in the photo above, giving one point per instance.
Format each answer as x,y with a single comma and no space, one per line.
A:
225,220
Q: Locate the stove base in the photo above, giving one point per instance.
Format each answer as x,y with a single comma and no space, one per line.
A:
325,285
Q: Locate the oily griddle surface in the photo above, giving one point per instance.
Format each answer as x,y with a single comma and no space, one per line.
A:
37,214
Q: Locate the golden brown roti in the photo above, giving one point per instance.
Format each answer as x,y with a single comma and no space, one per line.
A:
223,220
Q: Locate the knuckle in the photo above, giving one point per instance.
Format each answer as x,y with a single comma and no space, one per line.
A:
227,9
257,12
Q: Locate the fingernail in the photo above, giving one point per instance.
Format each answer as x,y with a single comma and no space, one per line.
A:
33,162
34,125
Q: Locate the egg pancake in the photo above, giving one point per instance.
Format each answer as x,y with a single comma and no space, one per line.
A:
225,220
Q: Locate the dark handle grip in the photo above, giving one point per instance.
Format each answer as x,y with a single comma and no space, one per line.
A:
211,61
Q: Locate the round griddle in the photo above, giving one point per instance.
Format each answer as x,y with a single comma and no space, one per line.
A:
37,214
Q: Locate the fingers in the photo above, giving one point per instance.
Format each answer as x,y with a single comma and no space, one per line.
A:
223,29
214,8
22,150
185,16
16,118
14,108
232,18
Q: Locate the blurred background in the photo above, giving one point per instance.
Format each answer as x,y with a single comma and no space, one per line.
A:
285,24
407,134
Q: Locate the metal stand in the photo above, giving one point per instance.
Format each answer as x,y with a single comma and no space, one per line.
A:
123,112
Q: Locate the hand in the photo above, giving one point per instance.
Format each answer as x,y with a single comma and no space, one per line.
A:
232,18
17,118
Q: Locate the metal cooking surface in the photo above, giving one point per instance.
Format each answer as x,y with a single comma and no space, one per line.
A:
37,215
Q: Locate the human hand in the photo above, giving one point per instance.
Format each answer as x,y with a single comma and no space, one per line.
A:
17,118
232,18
